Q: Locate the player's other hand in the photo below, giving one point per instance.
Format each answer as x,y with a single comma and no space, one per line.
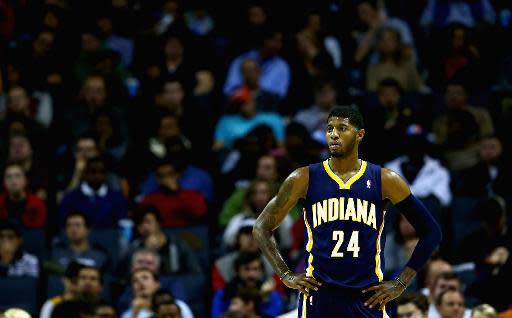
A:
301,282
384,292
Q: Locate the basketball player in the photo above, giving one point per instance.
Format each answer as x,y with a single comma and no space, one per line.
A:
344,201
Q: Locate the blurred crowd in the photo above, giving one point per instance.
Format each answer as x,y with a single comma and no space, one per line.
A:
139,140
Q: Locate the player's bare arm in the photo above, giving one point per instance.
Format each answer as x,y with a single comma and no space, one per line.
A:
396,189
292,189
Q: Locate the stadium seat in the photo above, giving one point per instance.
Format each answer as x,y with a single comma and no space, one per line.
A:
19,292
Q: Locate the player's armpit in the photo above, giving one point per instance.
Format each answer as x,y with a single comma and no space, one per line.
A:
394,187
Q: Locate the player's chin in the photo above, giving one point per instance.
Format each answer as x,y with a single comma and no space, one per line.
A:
337,154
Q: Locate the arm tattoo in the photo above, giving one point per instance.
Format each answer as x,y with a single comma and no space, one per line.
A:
267,222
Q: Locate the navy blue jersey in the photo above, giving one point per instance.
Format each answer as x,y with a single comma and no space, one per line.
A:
344,225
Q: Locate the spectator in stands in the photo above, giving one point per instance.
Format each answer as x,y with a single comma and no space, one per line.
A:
84,148
375,20
76,246
176,256
38,106
90,286
190,176
439,14
21,150
164,305
258,194
231,127
484,311
439,308
387,120
249,272
112,141
310,63
178,207
104,310
392,63
223,269
429,179
17,203
315,116
103,205
246,301
275,76
435,266
266,169
450,304
264,99
456,55
145,285
69,280
400,244
460,128
412,305
248,32
94,96
14,262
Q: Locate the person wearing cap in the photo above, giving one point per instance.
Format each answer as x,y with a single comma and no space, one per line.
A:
14,262
69,280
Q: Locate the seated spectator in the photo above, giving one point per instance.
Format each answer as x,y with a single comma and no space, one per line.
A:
144,286
164,305
460,128
70,175
484,311
178,207
190,177
439,14
264,99
231,127
94,96
69,280
315,116
22,152
176,256
400,244
223,269
387,120
247,301
258,194
435,266
439,308
392,64
375,20
450,304
412,305
103,206
275,76
429,179
17,203
76,246
112,141
14,262
249,271
266,169
38,106
89,286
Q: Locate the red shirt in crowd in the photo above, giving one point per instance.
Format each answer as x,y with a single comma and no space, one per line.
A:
31,211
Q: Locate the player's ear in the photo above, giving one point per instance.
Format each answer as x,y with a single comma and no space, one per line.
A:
360,134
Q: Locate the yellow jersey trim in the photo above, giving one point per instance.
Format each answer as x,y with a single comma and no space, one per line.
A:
350,181
378,270
304,303
309,247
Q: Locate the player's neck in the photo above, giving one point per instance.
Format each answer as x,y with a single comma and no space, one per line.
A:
346,164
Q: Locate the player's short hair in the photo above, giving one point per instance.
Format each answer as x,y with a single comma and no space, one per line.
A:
351,112
418,299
